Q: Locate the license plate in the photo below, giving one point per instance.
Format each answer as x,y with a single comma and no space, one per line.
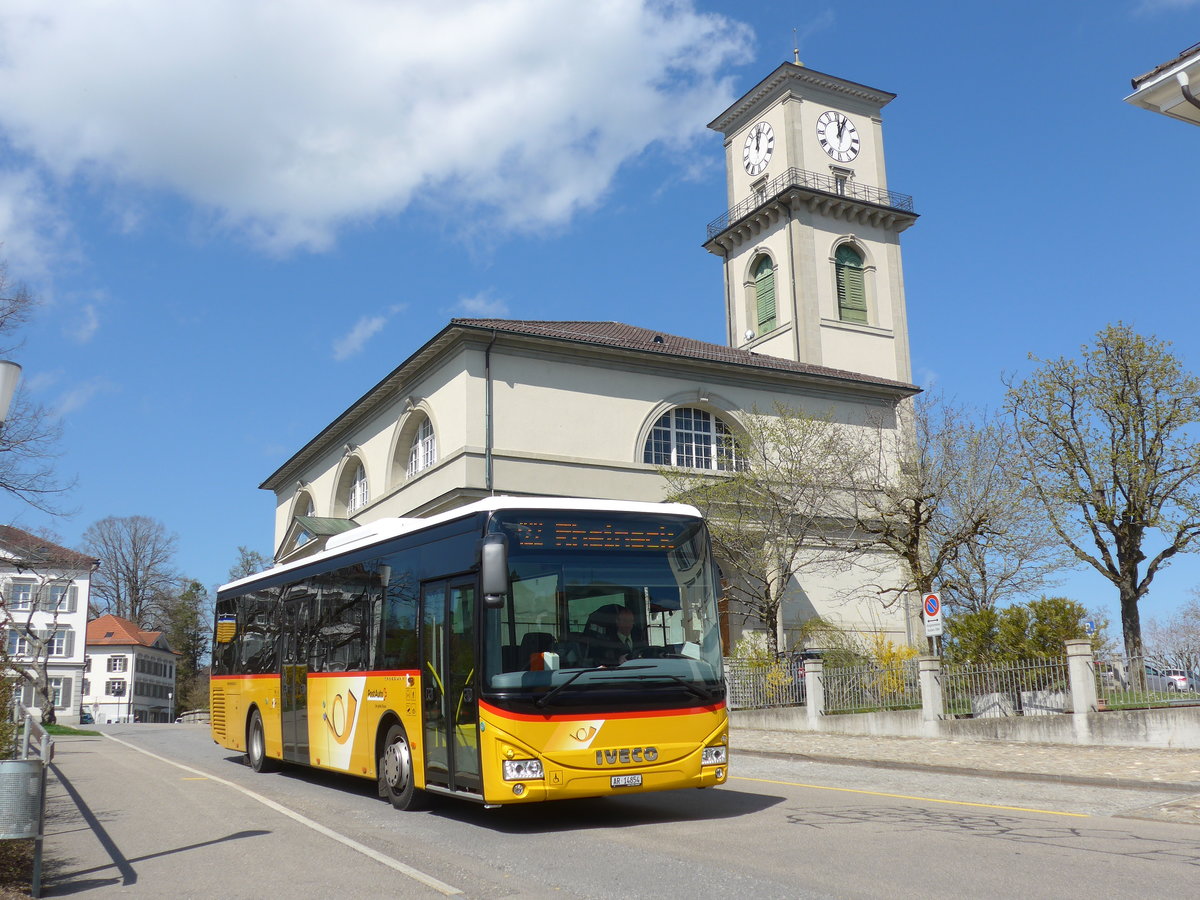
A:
627,781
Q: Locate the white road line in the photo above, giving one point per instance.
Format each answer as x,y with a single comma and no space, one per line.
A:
416,874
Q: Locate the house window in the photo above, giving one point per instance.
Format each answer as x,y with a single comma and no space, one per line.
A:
87,687
60,692
691,438
115,688
18,644
21,594
851,287
764,293
359,494
423,452
60,642
62,598
118,663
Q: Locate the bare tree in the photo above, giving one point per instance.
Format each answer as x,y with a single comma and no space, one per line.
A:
1176,642
137,571
770,512
942,493
249,562
1109,445
29,434
32,606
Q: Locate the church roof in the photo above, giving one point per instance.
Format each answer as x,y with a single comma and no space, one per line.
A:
631,337
614,336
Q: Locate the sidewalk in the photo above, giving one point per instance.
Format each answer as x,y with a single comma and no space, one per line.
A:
1176,771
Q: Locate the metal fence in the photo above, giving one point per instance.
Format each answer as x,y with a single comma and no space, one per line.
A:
1030,688
874,687
755,684
1134,682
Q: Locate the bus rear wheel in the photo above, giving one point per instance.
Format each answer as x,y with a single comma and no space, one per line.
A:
396,771
256,745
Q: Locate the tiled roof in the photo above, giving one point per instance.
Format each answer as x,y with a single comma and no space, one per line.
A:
115,631
29,548
1140,79
630,337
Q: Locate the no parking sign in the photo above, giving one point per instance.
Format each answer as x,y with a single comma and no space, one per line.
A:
932,611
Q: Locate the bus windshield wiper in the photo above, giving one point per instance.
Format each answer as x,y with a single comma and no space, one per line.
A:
691,686
550,694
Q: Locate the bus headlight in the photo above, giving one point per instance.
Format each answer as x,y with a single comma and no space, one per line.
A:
714,756
523,769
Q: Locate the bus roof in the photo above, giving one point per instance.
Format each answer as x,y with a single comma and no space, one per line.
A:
391,527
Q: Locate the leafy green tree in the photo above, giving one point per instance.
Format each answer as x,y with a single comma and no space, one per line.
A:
1109,445
1036,629
187,626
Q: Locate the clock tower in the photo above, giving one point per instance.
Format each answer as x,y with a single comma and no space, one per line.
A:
811,238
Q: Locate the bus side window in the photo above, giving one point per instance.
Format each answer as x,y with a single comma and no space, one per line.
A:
398,648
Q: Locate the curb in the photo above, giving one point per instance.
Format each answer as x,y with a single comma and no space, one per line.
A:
1186,787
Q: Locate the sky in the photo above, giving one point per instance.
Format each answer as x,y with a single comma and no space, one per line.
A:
239,215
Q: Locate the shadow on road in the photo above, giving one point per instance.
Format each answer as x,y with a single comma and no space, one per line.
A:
62,881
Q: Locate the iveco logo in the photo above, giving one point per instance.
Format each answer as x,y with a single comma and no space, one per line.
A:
626,755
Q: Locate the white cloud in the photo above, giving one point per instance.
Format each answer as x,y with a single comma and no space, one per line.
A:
482,306
288,120
351,343
79,396
30,226
84,328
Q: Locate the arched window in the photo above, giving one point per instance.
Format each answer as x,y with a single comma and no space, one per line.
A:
423,452
691,438
851,288
358,494
764,293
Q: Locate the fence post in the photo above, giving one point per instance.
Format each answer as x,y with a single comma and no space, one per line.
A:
1081,670
930,667
814,688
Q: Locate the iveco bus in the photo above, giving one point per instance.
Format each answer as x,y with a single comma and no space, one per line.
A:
509,651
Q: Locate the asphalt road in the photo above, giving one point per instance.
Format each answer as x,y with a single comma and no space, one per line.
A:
126,823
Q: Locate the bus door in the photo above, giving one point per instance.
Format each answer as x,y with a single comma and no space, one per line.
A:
293,682
448,674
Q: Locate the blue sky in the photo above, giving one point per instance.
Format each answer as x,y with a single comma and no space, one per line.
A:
241,215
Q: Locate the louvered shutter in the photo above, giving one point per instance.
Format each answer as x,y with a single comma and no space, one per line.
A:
764,293
851,289
65,700
69,644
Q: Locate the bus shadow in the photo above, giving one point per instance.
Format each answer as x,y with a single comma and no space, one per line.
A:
685,805
608,812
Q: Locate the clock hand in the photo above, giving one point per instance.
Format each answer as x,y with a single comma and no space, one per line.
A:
841,126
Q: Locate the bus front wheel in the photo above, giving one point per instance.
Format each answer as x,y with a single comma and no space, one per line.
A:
256,745
396,771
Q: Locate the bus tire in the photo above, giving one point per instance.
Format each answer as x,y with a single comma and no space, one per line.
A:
256,745
396,775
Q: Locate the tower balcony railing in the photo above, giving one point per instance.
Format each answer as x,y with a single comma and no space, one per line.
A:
814,181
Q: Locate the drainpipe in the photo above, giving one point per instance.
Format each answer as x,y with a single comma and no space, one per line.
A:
1182,78
487,415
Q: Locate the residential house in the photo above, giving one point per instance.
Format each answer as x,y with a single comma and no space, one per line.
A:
130,673
44,590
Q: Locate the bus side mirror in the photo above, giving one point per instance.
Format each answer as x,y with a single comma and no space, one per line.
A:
493,570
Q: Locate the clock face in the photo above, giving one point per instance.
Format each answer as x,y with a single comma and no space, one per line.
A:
838,136
760,143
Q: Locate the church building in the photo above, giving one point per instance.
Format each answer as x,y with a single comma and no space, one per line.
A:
815,313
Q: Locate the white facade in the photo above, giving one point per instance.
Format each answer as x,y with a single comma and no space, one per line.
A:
130,674
44,591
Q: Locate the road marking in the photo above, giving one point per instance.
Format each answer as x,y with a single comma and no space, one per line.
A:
416,874
821,787
197,778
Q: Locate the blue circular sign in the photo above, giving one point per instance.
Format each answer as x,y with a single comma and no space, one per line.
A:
933,605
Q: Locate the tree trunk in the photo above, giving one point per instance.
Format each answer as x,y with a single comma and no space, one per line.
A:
1131,623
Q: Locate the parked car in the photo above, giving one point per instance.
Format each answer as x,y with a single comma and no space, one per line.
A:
1163,679
85,718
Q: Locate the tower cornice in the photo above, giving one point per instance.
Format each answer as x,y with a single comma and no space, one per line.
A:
787,75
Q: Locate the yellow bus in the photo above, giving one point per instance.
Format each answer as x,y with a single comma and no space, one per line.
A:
509,651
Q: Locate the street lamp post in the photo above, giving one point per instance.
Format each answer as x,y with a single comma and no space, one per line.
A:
10,374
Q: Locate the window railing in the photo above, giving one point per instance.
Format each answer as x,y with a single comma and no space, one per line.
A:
814,181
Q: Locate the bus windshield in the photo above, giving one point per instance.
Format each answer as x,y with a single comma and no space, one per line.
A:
602,608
